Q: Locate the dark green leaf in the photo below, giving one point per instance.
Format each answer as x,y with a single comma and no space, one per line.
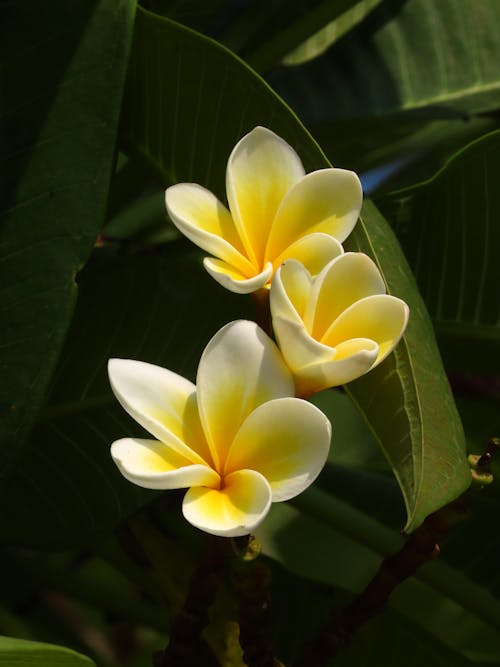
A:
346,18
66,490
437,58
448,227
275,47
23,653
422,436
63,71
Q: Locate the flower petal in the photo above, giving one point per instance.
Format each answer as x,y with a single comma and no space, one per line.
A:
314,251
316,366
381,318
153,465
200,216
344,281
298,347
234,510
240,368
328,201
286,440
162,402
352,359
261,169
235,281
290,291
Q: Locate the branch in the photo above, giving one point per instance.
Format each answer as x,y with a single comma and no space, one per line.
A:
193,617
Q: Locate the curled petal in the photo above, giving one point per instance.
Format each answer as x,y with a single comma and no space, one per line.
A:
235,281
153,465
328,201
163,403
286,440
290,291
352,359
200,216
381,318
234,510
314,251
344,281
240,368
260,171
298,347
316,366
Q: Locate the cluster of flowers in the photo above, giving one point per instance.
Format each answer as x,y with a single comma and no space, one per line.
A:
245,436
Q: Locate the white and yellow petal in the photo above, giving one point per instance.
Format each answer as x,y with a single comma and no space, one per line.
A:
313,251
233,280
233,510
290,291
286,440
348,361
342,282
153,465
261,170
240,369
163,403
327,201
298,348
200,216
380,318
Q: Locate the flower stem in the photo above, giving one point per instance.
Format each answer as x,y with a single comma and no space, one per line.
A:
420,548
251,579
263,310
193,617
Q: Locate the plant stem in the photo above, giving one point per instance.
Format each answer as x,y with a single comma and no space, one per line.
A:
193,617
263,311
251,579
420,548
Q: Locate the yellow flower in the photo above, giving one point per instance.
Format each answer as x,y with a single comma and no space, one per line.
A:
238,440
276,211
337,326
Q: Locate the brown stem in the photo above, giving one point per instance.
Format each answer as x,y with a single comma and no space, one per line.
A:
251,579
421,547
263,311
193,617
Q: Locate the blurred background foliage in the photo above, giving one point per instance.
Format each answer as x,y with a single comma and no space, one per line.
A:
104,103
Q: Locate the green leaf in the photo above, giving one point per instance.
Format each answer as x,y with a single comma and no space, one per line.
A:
437,58
275,47
448,227
406,401
62,95
422,435
384,640
23,653
66,490
345,20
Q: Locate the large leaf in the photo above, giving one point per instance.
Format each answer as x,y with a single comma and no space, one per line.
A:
448,227
61,101
66,489
306,24
331,32
407,400
421,435
408,56
35,654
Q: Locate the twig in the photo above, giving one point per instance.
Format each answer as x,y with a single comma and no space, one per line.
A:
421,547
263,312
251,579
193,617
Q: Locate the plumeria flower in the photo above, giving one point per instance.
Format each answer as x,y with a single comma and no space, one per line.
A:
276,211
337,326
238,440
